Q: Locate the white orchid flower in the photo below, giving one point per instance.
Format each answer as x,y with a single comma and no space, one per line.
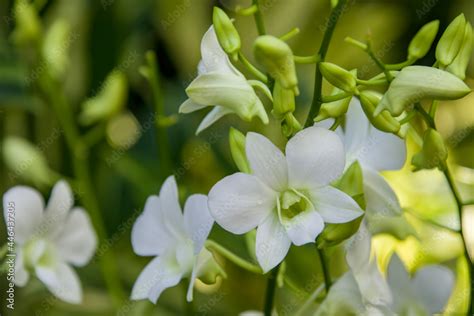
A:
221,85
49,240
288,198
176,239
426,293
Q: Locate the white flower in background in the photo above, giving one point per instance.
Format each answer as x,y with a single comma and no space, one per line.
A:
288,198
426,293
176,239
221,85
364,291
49,240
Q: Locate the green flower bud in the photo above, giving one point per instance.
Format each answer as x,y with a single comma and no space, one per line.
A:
384,121
333,109
277,58
421,43
433,154
451,41
26,161
290,125
110,100
226,32
352,184
56,47
283,101
415,83
339,77
459,65
237,149
27,23
123,131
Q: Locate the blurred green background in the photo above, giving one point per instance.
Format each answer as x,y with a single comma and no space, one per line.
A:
115,34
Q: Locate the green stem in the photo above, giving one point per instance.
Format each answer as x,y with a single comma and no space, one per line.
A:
318,81
428,119
401,65
295,31
377,82
306,59
433,108
270,293
408,118
335,97
325,268
379,63
336,123
79,154
259,18
188,306
162,141
309,300
244,264
257,73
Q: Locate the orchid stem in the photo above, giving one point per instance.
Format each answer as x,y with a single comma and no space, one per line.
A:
244,264
259,18
270,293
318,81
257,73
325,268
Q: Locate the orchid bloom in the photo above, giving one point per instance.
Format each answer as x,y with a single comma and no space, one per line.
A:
176,239
49,240
288,198
221,85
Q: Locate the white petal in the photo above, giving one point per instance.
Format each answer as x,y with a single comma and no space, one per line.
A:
385,151
358,249
240,202
334,205
356,130
434,285
399,282
21,274
190,106
62,281
379,196
23,207
197,220
213,116
157,276
77,241
272,243
213,56
150,237
266,161
304,227
315,157
169,202
56,212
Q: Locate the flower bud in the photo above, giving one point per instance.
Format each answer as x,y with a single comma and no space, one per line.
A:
433,154
27,23
415,83
421,43
451,41
333,109
277,58
229,91
123,131
338,77
384,121
226,32
283,101
459,65
56,47
290,125
237,149
110,100
27,162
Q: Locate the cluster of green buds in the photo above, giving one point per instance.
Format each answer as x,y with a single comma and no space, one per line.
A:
455,47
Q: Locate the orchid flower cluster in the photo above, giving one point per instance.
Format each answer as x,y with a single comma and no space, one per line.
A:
323,186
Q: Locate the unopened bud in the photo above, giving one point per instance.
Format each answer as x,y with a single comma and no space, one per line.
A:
433,154
384,121
277,58
459,65
421,43
237,149
226,32
283,101
339,77
451,41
